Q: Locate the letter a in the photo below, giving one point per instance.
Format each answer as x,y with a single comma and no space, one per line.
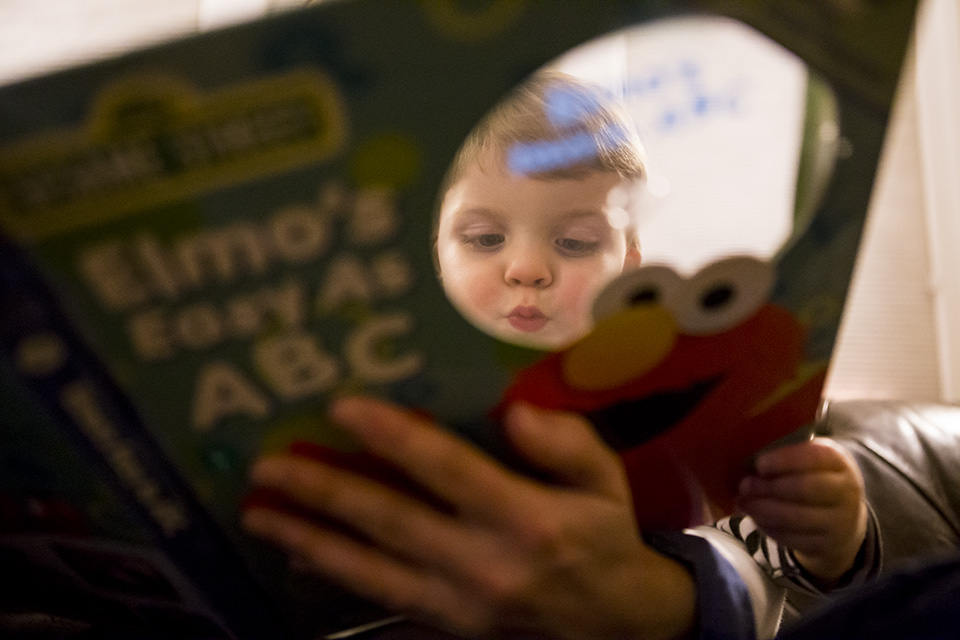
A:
222,391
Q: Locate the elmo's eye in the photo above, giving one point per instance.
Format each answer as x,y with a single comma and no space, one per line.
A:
653,284
718,296
723,294
644,296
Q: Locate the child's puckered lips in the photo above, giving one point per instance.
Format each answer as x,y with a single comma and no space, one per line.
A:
527,319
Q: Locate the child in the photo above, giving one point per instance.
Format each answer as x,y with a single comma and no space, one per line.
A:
532,222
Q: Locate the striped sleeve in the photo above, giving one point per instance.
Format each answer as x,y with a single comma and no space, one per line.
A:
781,566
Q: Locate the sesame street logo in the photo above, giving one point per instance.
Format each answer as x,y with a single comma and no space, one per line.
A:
152,141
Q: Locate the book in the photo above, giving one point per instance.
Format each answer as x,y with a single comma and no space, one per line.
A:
203,241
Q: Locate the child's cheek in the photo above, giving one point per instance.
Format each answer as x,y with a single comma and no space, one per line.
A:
576,297
582,283
480,294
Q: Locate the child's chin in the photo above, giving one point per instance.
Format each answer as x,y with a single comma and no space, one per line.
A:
544,340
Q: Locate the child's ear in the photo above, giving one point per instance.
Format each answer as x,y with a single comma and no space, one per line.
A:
632,259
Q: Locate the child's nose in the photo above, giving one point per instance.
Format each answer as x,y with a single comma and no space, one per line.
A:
528,267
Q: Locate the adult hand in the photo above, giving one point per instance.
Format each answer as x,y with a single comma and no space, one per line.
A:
478,548
810,497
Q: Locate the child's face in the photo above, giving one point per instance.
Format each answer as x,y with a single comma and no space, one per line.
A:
523,258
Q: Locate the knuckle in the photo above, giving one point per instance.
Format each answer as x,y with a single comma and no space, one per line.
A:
501,592
541,535
500,588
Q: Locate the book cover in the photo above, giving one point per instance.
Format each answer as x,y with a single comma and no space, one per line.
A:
205,240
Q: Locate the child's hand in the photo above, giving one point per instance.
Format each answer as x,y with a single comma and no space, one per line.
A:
810,497
478,548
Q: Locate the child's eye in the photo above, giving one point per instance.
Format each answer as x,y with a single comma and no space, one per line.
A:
575,247
484,241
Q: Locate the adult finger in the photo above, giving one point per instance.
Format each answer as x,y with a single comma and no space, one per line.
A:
447,466
567,448
366,570
398,521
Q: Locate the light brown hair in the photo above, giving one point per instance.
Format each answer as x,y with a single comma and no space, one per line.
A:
552,107
553,126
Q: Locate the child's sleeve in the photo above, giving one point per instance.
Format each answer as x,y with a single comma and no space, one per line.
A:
781,566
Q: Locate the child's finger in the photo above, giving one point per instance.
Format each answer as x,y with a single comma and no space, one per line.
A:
819,454
814,489
778,518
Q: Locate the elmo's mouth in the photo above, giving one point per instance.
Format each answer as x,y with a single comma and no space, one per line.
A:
630,423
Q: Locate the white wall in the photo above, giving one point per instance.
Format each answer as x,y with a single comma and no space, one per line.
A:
40,35
938,109
722,134
887,345
901,332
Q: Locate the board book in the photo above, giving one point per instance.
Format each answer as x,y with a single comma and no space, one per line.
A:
201,242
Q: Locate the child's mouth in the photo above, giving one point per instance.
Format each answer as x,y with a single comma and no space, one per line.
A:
527,319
